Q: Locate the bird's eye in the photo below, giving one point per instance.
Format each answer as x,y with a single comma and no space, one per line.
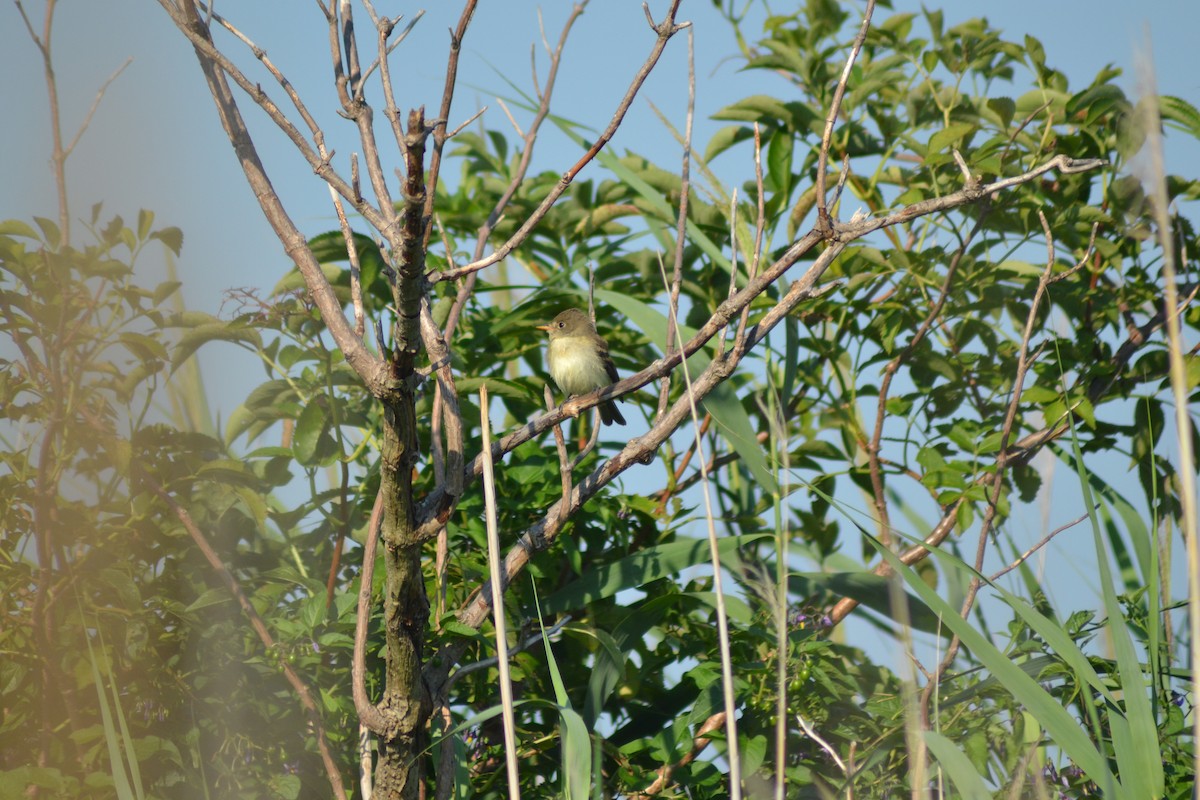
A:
562,324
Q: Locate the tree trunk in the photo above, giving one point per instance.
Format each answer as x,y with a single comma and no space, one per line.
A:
406,705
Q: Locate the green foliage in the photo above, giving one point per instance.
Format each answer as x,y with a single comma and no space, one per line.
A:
109,597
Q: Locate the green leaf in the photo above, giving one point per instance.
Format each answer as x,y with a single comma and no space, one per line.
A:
50,231
214,331
212,597
944,139
608,670
15,227
577,754
165,290
311,428
171,237
1135,736
228,471
1063,729
145,220
1004,108
779,162
734,424
605,580
1180,112
962,772
753,750
312,612
726,138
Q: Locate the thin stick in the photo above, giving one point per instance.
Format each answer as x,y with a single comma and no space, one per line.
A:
835,108
493,539
1021,559
1185,474
731,739
699,742
875,445
564,463
812,734
681,221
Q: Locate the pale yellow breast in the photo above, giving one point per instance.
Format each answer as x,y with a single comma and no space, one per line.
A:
575,366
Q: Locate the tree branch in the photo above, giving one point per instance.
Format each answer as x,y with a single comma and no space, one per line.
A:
665,30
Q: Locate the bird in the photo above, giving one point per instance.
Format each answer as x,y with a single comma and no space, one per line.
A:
579,361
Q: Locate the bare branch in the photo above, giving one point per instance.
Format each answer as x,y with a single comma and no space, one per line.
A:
875,445
564,463
681,223
665,30
439,130
87,118
997,477
189,23
699,742
468,121
823,220
374,373
58,155
1045,540
385,26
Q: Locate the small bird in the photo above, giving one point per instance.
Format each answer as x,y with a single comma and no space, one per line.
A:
579,361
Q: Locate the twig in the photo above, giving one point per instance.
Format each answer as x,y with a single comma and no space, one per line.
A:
665,30
699,742
564,464
385,26
343,46
1021,559
492,661
874,446
314,154
997,477
812,734
87,118
681,222
356,296
666,493
590,444
466,287
371,369
823,220
312,711
467,122
439,129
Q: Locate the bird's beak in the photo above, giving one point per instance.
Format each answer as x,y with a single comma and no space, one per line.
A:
546,328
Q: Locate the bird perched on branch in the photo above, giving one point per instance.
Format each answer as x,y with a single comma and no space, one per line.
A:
579,361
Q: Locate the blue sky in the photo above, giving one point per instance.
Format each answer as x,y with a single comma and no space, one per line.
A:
155,142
